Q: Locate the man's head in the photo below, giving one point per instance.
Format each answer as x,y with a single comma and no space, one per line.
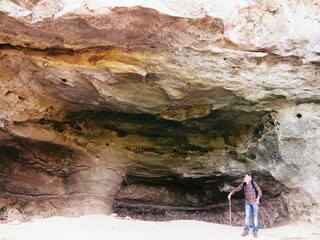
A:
247,178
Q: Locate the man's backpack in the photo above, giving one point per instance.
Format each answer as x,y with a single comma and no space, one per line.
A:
244,185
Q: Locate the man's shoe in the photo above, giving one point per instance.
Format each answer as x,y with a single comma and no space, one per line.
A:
255,235
244,234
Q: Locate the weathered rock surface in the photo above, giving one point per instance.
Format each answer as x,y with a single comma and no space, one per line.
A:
158,110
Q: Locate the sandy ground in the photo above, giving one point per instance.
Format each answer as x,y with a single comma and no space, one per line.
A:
96,227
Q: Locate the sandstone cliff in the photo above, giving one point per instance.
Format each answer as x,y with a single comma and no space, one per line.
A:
157,109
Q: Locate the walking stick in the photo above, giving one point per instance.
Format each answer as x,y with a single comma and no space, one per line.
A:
230,211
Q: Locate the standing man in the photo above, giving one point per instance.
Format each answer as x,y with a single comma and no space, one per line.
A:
252,193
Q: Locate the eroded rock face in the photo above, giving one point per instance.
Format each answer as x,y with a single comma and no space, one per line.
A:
158,112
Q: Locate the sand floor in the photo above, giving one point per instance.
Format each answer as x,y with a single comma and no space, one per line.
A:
96,227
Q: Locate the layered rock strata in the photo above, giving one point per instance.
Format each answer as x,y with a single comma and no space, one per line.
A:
157,111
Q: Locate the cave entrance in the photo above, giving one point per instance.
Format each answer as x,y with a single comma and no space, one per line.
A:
191,166
173,169
169,196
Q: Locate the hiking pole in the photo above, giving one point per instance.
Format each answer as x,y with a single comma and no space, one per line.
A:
230,211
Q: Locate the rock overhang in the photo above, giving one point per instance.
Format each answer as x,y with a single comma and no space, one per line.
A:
149,99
